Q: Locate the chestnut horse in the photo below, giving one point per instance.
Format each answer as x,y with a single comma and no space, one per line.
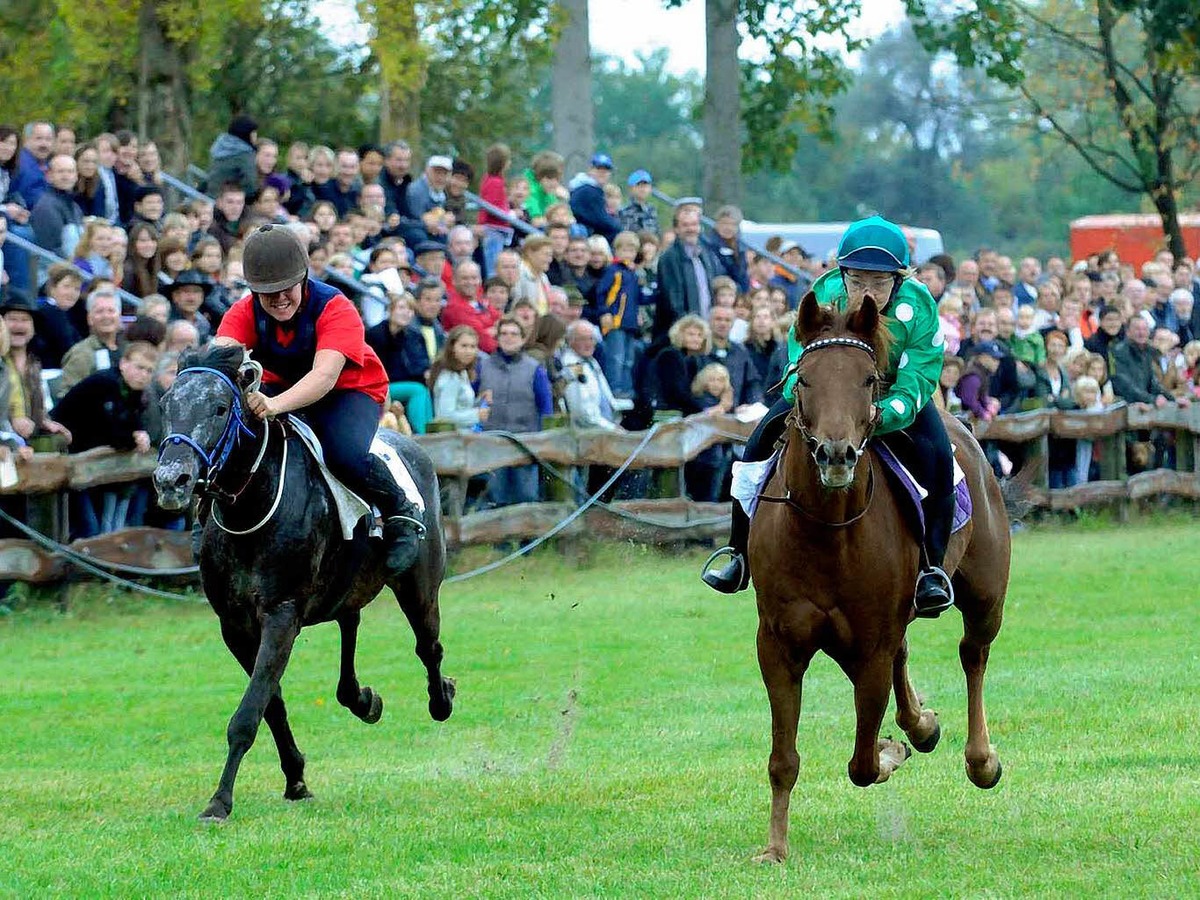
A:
834,564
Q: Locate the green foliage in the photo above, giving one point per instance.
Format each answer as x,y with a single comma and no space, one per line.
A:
610,739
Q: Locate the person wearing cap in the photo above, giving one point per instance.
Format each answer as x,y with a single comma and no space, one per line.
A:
311,343
587,198
873,258
975,383
639,214
232,157
187,294
795,284
426,198
26,407
430,259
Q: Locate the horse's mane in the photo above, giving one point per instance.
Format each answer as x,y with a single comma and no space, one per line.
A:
226,359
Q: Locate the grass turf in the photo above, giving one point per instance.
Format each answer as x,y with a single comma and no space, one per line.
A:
610,739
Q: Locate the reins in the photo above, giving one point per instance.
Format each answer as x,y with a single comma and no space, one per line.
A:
796,420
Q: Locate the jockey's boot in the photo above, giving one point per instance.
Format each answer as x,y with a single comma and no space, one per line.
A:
734,576
403,526
935,594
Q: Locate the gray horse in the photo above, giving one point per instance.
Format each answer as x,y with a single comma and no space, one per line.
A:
273,559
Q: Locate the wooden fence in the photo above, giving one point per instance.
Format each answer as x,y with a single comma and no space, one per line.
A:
664,517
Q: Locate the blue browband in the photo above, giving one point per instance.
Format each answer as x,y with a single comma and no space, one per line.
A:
234,426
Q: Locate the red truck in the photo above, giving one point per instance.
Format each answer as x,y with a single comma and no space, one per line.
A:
1135,237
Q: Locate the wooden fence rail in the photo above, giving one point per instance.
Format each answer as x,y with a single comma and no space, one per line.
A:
458,456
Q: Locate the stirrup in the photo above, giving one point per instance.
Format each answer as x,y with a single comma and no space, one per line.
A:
725,581
932,611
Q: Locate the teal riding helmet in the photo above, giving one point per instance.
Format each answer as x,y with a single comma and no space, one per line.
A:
873,245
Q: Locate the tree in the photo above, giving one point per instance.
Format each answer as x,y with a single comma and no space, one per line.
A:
1110,78
571,87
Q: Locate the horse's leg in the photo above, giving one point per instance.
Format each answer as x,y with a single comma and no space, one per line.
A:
417,595
983,763
920,725
783,674
244,647
363,702
279,630
874,760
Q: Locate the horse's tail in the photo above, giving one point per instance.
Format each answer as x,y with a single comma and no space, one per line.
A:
1018,492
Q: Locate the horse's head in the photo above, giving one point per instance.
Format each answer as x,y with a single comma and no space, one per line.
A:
837,383
204,417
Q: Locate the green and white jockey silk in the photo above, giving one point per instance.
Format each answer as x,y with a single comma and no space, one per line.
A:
915,362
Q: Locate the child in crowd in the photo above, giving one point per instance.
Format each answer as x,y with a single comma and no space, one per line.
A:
1027,343
950,311
952,370
1191,367
453,375
705,474
618,297
1087,395
1096,366
612,199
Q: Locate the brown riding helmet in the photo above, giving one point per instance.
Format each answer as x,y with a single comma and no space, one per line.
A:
274,259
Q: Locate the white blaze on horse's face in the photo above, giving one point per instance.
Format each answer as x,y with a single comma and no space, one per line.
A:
199,407
835,397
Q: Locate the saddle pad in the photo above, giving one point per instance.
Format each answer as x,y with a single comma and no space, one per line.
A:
750,479
351,507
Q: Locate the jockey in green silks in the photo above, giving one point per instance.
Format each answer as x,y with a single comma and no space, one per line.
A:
873,259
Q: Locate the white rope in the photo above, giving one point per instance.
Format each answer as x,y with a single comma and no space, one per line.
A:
274,506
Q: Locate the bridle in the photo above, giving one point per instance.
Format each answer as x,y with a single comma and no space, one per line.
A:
214,460
796,420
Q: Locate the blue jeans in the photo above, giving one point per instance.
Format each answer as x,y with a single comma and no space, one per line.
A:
514,484
17,261
494,241
620,354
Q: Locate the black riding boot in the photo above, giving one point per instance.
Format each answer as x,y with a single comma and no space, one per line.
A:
734,576
935,594
403,528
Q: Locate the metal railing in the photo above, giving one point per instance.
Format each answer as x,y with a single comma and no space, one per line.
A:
51,257
186,189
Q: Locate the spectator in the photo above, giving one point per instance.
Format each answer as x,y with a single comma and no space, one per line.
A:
794,281
179,335
725,242
106,158
58,326
497,232
370,165
933,277
89,189
126,173
1026,344
587,198
452,374
172,259
299,176
94,248
706,472
639,214
33,165
101,349
1168,360
685,271
105,410
974,386
142,267
551,328
465,305
56,219
734,358
573,269
460,245
1110,332
26,403
187,294
1025,291
227,215
342,191
426,199
461,176
536,255
1053,385
1087,396
520,390
396,178
586,392
150,164
232,158
762,342
966,280
508,268
947,394
402,351
1183,303
618,297
1134,374
431,260
676,367
427,307
545,185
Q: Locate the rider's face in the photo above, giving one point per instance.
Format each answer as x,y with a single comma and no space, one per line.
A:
860,282
282,305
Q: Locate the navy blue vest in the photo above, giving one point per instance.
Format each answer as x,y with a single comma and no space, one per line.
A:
295,360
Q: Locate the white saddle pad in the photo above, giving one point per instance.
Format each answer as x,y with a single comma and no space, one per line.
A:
351,507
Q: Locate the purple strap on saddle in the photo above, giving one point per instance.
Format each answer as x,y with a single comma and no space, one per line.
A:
962,494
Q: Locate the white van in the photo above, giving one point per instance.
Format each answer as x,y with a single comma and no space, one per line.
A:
820,239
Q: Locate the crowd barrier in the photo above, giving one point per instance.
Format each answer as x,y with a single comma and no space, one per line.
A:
665,516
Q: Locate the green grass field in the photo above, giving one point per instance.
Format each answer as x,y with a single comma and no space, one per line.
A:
610,739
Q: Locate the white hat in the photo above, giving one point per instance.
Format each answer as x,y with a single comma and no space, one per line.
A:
440,162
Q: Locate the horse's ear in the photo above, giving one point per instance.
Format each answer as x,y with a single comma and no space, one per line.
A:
812,318
864,320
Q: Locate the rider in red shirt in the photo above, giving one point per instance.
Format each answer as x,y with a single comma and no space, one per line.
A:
310,342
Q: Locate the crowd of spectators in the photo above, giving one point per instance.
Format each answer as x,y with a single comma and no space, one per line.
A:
596,311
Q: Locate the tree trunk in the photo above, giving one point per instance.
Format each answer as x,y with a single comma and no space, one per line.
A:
571,107
403,67
163,112
1166,201
722,105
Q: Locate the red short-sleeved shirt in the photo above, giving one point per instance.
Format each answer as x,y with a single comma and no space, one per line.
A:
339,328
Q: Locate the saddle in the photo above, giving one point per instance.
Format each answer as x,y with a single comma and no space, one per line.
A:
750,479
349,505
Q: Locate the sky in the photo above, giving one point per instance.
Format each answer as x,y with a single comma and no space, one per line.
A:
623,28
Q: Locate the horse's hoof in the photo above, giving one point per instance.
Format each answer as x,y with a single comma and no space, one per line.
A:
995,779
980,778
216,811
441,707
771,855
297,791
375,710
927,745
